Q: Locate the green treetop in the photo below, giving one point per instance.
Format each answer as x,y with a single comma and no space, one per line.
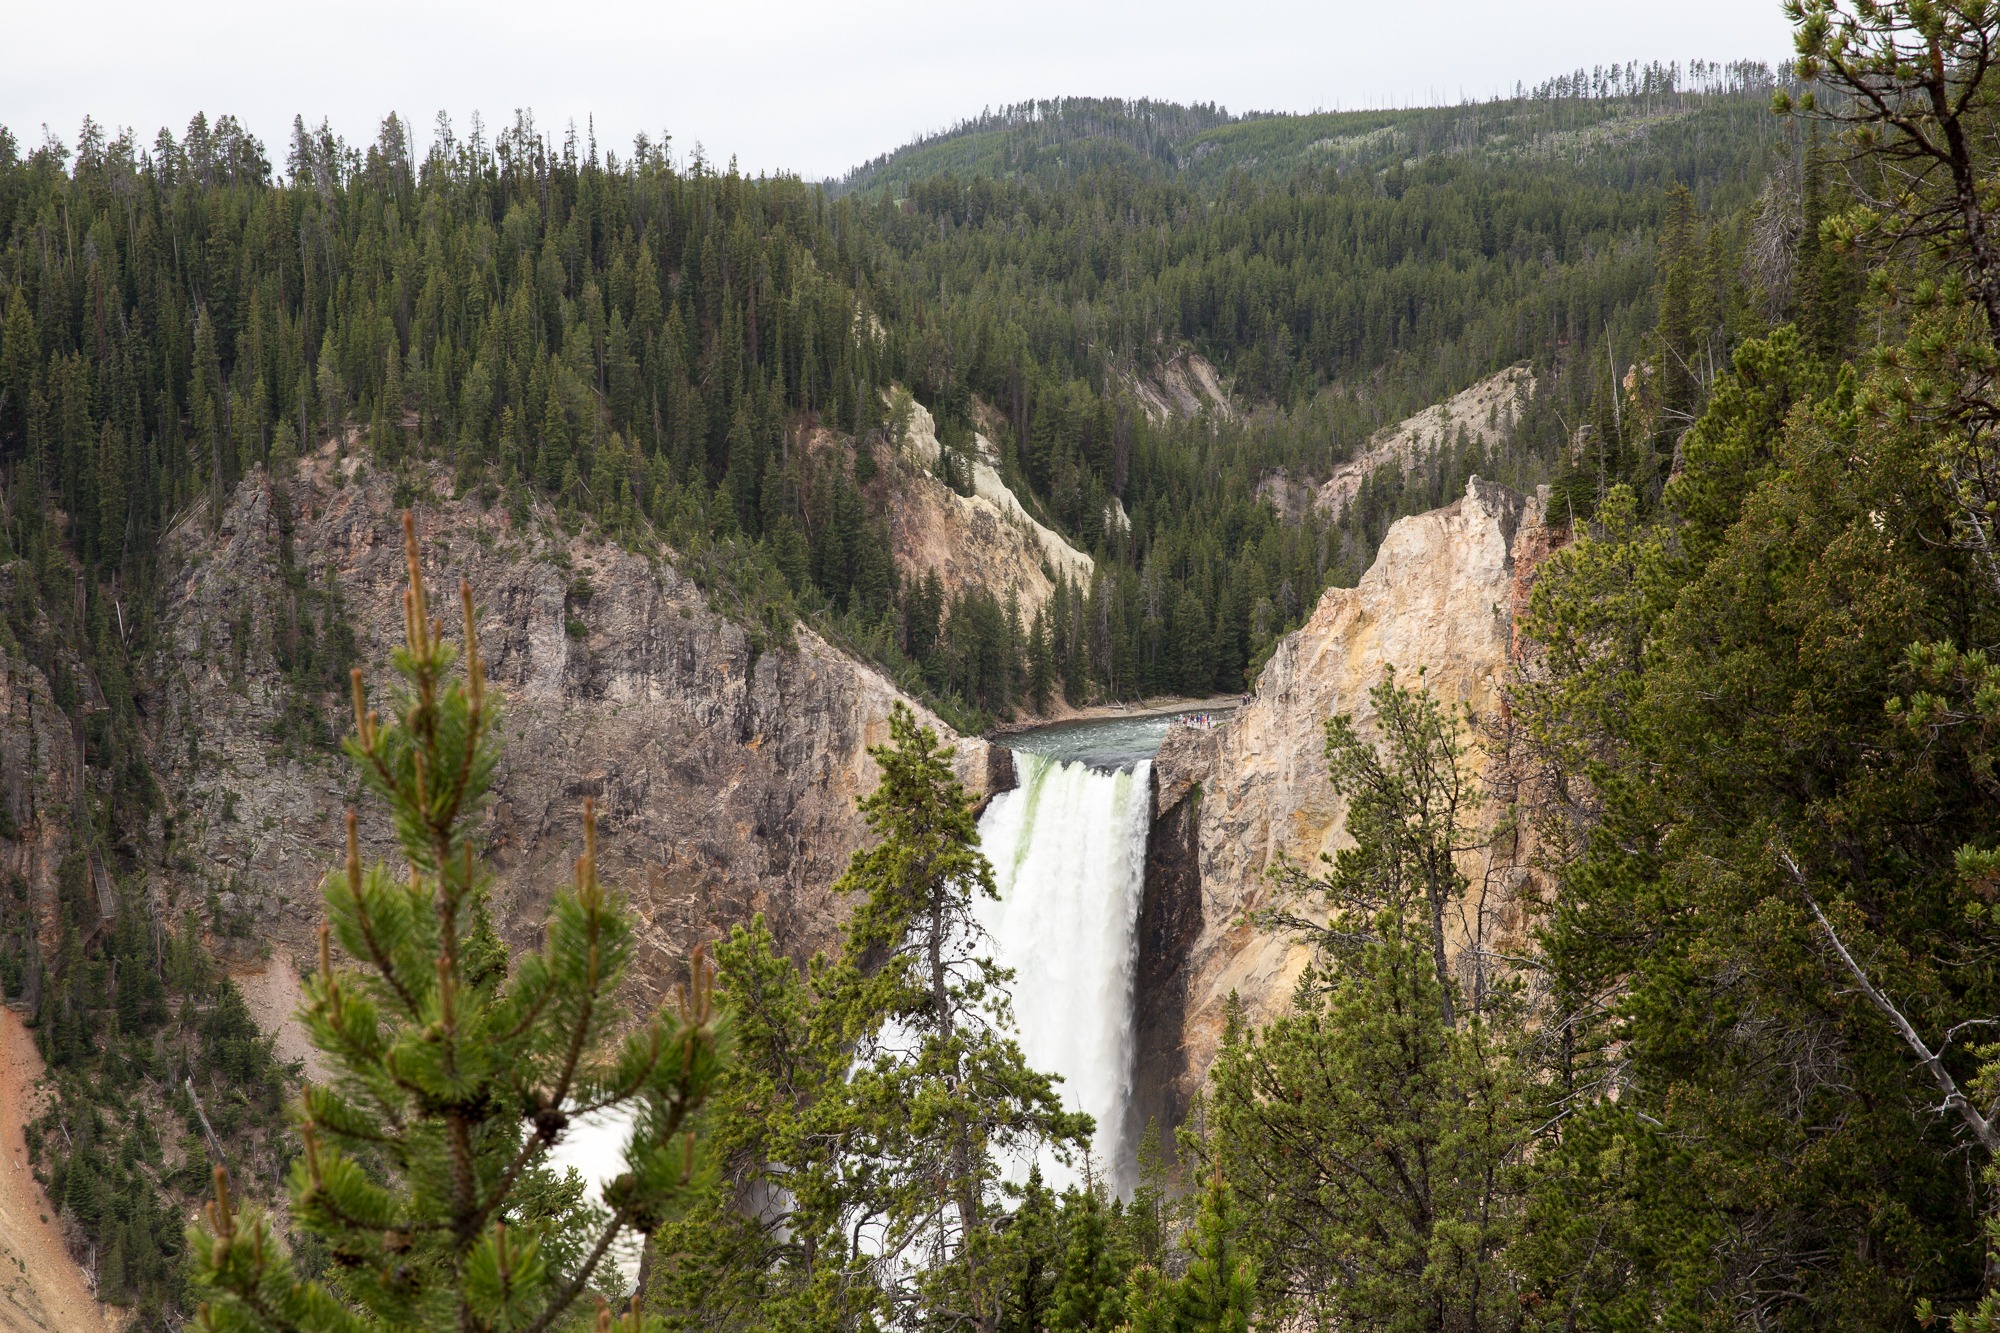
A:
453,1073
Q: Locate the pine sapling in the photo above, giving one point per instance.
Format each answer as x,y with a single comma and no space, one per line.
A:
454,1072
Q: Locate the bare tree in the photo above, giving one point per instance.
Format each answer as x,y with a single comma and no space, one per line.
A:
1980,1123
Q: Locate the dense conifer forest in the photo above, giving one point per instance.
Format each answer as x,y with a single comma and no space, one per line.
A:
648,341
1741,1079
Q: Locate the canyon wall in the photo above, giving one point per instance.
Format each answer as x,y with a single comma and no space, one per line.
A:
40,775
725,771
985,540
725,767
1485,412
1228,803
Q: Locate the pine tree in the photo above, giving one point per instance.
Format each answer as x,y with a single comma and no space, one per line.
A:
284,452
205,409
556,460
1824,283
111,489
1142,1225
1675,387
20,363
940,1095
874,1099
746,467
1029,1259
646,305
1216,1293
111,1278
452,1073
332,392
1090,1294
1375,1131
1041,662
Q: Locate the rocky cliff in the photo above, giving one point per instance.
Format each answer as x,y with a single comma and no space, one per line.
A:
39,773
982,540
1229,802
1485,413
43,783
725,775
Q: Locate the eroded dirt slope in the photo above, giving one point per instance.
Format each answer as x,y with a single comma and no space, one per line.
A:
41,1289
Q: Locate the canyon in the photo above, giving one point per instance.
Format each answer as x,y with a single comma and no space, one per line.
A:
724,769
726,775
1233,803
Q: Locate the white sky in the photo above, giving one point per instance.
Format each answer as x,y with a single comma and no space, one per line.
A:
812,86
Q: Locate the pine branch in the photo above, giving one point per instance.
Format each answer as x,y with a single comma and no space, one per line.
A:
1982,1128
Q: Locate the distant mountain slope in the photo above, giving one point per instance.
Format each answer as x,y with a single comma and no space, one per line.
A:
1054,138
1668,113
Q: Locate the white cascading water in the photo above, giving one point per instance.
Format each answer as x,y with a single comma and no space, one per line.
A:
1068,847
595,1146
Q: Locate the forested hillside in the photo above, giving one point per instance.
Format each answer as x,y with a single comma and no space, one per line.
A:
650,344
707,366
1058,142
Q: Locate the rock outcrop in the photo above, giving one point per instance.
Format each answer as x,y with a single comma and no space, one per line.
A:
1485,413
725,773
1183,385
1228,803
982,540
43,782
39,777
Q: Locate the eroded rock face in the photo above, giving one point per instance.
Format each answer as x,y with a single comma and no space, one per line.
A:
985,540
1484,412
1183,386
1229,802
41,781
725,777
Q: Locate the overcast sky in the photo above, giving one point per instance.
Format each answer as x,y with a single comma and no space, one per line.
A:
811,86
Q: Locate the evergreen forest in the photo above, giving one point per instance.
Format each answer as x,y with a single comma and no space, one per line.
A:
1741,1075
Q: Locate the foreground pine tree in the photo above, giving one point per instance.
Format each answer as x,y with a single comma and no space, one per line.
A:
453,1075
1219,1289
939,1097
875,1100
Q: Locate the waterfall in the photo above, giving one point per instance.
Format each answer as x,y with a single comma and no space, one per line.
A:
1068,847
594,1145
